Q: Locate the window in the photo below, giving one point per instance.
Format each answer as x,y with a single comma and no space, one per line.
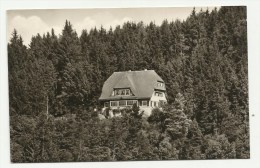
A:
144,103
106,104
159,94
122,92
131,102
160,84
113,103
154,104
122,103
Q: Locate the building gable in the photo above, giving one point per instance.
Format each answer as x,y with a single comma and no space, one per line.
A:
141,83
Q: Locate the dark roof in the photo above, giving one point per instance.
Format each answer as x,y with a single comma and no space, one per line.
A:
141,83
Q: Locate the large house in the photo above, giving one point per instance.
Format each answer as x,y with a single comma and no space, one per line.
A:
145,88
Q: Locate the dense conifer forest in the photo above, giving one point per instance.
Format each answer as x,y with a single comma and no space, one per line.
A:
55,83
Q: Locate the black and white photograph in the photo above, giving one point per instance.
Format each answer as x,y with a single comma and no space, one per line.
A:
128,84
104,85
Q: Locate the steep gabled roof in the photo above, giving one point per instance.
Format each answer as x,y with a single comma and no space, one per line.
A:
141,83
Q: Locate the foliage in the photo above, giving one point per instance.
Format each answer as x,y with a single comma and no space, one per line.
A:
55,83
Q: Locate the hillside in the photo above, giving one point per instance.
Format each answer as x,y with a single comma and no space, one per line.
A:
203,61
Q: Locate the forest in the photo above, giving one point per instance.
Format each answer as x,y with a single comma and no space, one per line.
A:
55,83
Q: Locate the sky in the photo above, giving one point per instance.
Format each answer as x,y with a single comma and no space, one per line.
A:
30,22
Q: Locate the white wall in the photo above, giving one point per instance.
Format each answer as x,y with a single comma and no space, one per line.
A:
157,99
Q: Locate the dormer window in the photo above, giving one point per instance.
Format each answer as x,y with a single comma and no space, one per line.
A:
160,84
122,92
